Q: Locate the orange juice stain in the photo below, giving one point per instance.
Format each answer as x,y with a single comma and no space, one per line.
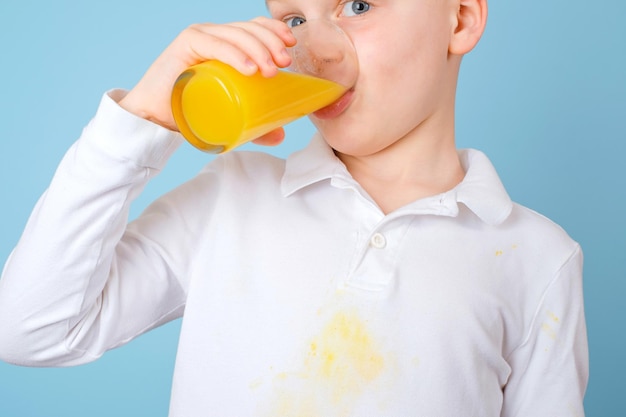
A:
549,331
342,360
553,317
344,353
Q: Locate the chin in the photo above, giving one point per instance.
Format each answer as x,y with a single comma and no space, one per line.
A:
337,138
352,145
349,135
338,132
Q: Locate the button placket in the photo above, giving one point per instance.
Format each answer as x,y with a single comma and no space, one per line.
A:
375,268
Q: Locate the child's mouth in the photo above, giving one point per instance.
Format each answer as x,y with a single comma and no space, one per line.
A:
335,109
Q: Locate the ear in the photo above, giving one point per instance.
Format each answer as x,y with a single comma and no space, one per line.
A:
469,25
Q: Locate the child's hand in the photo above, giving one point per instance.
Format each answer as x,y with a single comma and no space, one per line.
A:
256,45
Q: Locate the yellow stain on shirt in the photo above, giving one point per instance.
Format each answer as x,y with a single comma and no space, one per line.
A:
344,354
255,384
549,331
340,363
500,252
547,327
553,317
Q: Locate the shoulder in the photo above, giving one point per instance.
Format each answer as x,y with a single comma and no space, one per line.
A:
535,223
246,167
547,239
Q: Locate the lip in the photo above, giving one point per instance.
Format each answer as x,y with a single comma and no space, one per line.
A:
335,109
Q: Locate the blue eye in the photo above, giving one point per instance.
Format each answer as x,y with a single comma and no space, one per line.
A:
354,8
292,22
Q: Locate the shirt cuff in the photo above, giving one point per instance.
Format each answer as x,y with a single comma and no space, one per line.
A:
125,135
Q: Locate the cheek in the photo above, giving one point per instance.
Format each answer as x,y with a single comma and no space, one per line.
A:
407,71
393,60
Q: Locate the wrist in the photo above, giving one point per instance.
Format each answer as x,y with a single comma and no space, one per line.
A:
141,107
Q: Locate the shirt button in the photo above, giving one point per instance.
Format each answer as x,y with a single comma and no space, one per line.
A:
378,241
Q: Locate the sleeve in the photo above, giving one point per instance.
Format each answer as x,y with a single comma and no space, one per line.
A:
79,282
549,371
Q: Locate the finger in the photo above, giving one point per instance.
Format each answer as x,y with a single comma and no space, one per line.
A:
275,36
257,44
273,138
243,43
279,28
206,42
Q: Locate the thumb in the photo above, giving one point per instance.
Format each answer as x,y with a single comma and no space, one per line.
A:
273,138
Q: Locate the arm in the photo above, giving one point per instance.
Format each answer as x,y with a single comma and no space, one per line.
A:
549,371
62,288
80,281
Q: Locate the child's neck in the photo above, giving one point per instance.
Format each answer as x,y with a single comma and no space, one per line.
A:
406,172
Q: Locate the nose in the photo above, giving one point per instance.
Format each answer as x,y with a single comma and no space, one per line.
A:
323,50
318,57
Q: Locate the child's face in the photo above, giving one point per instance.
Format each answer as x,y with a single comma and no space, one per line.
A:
406,76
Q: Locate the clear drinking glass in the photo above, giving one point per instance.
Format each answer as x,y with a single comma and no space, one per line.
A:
217,108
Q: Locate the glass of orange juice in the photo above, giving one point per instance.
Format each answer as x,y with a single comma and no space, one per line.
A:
217,108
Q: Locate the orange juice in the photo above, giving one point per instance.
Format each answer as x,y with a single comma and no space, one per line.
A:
217,108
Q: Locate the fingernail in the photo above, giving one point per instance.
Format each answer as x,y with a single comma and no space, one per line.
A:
250,64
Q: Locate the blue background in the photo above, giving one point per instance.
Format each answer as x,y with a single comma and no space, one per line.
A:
543,95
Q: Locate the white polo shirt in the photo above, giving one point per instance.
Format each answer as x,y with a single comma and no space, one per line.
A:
300,297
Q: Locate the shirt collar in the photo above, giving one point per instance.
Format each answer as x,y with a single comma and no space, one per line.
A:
481,189
314,163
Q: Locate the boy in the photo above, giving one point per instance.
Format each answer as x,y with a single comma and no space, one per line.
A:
378,272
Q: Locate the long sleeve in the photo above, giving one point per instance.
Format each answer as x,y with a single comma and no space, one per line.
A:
550,369
78,282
